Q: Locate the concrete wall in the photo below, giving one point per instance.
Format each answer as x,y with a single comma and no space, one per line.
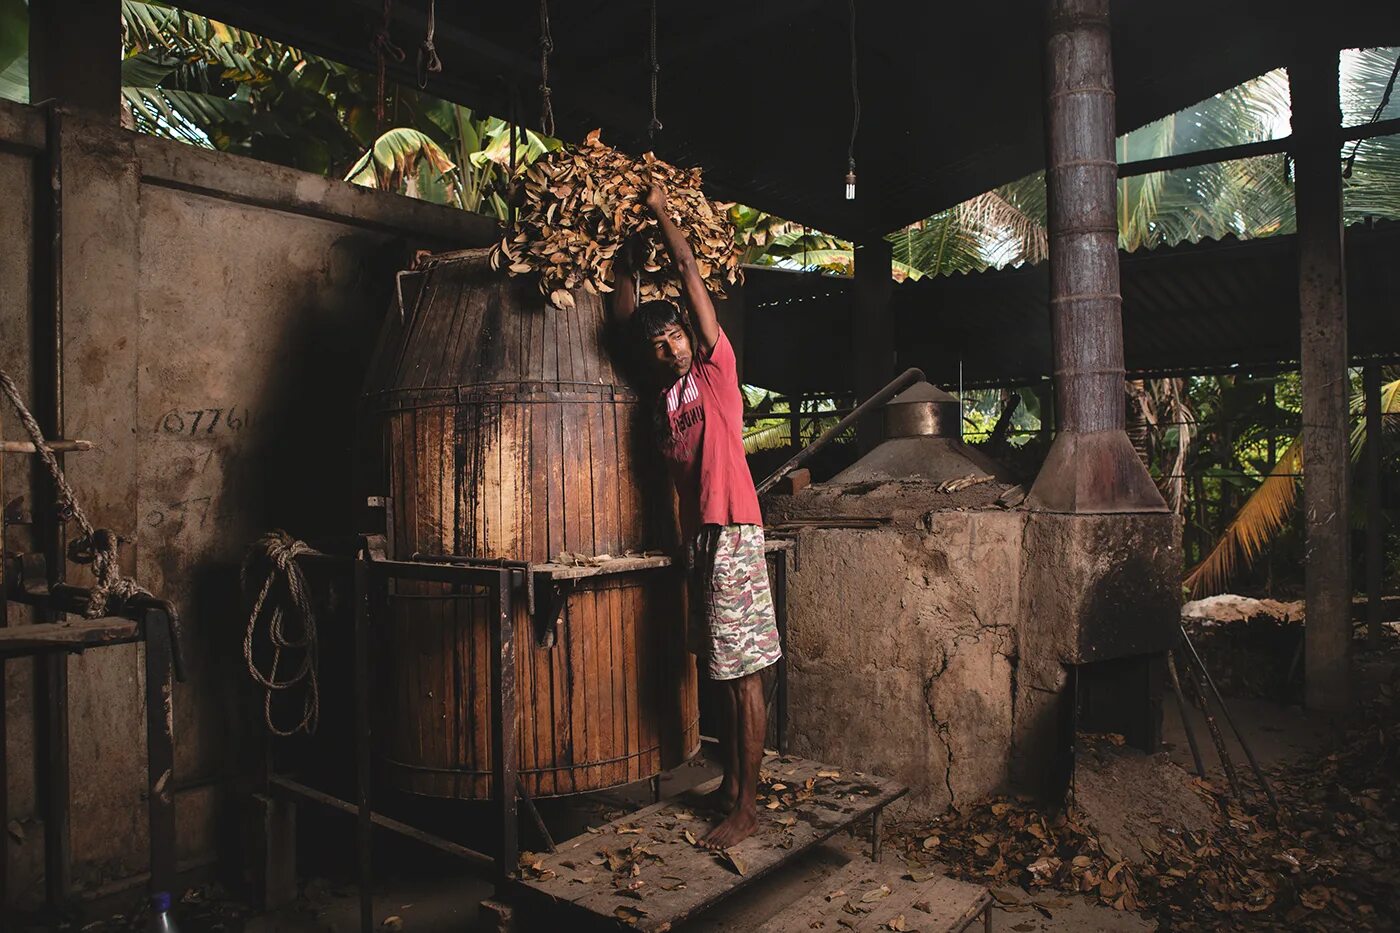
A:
218,315
24,855
900,645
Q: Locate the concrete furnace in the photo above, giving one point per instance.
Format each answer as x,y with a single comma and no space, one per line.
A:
954,643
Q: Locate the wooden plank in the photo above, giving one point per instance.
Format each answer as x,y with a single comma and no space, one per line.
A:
560,571
838,902
678,879
66,636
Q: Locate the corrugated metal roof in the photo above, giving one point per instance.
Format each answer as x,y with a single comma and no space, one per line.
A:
1210,306
756,91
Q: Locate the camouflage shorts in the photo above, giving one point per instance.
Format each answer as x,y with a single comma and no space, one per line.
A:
732,630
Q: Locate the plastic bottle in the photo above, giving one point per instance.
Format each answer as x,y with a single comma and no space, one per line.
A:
161,921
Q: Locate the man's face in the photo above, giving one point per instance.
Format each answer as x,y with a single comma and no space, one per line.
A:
672,350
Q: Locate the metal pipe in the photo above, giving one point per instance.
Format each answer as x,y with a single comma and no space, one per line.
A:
899,384
285,786
1248,753
49,371
363,813
1185,720
534,812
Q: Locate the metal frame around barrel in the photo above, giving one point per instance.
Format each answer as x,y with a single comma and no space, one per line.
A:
372,572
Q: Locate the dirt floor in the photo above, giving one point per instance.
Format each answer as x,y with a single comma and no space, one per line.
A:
1145,844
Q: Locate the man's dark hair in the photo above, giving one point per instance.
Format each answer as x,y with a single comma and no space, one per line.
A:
653,317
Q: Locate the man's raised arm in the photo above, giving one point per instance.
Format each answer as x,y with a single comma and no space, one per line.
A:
697,296
624,296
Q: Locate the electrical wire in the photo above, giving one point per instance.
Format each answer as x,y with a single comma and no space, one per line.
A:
1380,108
655,126
855,108
546,46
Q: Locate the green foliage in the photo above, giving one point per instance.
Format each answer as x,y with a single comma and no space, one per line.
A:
14,50
194,79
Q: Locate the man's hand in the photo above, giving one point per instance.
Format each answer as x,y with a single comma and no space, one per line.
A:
702,311
656,196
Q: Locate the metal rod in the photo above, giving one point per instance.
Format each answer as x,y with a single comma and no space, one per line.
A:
1375,551
1226,761
1249,150
535,813
364,817
1248,752
780,612
49,376
57,446
1185,719
285,785
160,750
504,729
897,385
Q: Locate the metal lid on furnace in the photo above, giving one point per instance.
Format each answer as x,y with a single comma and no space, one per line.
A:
923,443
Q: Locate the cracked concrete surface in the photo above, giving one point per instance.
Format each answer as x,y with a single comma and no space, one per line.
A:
900,642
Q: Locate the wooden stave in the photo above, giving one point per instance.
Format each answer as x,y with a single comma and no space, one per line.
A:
582,402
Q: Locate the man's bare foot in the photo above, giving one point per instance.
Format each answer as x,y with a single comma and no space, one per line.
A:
737,826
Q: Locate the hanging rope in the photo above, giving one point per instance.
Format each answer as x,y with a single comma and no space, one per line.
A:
1380,109
112,589
382,44
655,126
283,592
546,47
428,61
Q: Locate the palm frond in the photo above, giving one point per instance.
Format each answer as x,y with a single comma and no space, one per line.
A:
1261,517
767,437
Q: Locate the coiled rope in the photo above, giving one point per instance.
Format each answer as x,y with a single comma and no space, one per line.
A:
112,589
283,593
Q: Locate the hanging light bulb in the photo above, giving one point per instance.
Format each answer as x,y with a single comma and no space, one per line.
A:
855,114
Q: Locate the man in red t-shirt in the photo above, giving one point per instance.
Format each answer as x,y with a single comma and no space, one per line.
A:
700,416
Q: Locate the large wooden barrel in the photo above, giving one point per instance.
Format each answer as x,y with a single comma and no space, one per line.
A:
508,431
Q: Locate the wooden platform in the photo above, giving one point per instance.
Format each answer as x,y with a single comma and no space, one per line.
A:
864,896
644,871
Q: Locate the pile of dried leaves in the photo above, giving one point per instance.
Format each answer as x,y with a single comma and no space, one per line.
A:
1009,841
583,203
1327,861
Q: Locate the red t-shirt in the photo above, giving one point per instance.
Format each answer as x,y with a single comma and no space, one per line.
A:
705,444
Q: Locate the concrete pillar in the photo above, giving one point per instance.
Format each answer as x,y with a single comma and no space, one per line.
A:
1323,320
1091,466
75,55
872,332
1375,552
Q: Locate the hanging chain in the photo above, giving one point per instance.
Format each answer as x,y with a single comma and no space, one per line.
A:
384,50
546,46
655,126
428,61
1380,108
